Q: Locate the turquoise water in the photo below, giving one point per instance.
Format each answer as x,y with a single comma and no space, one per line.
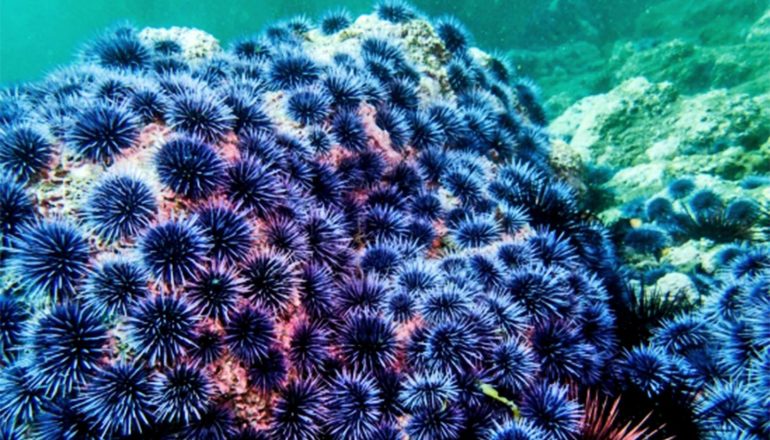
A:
36,39
545,36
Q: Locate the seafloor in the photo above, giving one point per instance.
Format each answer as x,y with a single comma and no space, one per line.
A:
369,228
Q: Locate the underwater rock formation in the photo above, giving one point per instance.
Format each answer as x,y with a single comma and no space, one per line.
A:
674,159
696,45
710,366
343,231
648,153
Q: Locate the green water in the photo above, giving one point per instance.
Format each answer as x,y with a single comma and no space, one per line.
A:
573,48
37,38
568,46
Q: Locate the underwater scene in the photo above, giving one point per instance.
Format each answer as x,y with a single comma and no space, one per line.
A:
382,220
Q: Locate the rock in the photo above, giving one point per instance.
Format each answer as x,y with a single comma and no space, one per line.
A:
687,256
720,116
612,128
649,134
196,44
644,134
760,30
676,284
566,72
567,163
697,46
676,61
638,180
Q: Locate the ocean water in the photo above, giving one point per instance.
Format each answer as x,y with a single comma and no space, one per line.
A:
542,219
35,40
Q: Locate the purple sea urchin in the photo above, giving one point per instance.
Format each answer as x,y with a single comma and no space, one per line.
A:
120,206
190,167
114,286
249,334
15,207
291,70
308,107
253,186
299,412
51,255
298,238
173,251
200,113
180,394
25,152
228,233
550,409
69,343
161,328
367,342
396,11
120,49
356,400
335,21
102,131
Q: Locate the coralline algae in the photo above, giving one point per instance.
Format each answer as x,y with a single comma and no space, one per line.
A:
347,231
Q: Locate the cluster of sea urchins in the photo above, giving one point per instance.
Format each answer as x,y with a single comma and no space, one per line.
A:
348,231
709,369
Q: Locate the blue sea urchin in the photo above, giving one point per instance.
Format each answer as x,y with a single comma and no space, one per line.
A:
50,256
25,152
102,131
161,328
173,251
120,206
190,167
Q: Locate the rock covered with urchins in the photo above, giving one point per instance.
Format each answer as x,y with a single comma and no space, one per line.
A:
342,230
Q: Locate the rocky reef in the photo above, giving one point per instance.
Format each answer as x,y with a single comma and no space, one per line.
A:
366,228
696,45
344,230
674,159
637,143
